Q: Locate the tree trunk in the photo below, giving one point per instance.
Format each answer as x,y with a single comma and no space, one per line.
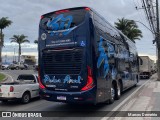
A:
19,55
1,36
1,45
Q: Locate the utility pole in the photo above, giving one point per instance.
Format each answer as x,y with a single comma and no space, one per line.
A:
158,40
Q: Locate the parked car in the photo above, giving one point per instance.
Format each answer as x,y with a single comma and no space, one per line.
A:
17,67
5,67
35,67
24,88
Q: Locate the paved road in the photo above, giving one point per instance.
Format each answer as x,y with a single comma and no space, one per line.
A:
42,105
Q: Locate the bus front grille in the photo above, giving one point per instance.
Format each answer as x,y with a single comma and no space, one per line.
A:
63,62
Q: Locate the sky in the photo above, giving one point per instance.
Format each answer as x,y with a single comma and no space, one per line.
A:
25,15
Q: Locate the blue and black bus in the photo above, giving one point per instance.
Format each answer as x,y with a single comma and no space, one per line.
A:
83,59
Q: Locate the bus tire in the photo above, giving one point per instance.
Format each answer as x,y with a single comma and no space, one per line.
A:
112,94
118,90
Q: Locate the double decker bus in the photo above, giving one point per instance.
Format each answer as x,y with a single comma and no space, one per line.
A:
83,59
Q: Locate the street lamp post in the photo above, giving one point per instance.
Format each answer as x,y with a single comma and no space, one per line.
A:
145,26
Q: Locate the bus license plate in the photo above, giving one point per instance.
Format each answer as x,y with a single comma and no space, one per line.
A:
61,98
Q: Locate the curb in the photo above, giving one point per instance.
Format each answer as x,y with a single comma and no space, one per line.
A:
6,77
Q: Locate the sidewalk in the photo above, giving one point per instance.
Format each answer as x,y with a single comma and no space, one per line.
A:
147,99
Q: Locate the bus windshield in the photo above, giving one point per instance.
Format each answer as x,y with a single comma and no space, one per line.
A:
63,19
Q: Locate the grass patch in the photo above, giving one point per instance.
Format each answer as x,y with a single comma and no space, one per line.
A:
2,76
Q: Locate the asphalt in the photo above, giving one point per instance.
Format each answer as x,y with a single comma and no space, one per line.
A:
42,105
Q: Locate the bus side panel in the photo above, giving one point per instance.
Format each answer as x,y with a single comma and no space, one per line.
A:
103,84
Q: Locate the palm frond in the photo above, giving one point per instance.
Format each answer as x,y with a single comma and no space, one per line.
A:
4,22
19,39
129,28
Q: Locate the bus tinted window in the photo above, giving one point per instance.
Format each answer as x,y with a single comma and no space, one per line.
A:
62,20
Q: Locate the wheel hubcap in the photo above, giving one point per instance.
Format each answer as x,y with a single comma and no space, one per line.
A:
118,90
112,93
26,98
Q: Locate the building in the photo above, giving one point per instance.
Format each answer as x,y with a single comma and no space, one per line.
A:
28,59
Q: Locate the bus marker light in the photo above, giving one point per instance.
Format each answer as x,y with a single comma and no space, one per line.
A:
42,17
87,9
61,11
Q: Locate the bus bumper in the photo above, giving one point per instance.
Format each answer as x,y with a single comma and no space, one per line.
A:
88,96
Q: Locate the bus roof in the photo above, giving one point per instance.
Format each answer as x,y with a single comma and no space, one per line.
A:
68,9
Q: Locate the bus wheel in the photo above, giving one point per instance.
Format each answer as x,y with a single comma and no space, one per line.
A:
118,91
111,100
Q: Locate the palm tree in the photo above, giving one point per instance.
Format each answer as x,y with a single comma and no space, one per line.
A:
19,39
36,41
135,33
129,28
4,22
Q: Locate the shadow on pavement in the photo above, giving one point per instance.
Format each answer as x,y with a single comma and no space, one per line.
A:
17,102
